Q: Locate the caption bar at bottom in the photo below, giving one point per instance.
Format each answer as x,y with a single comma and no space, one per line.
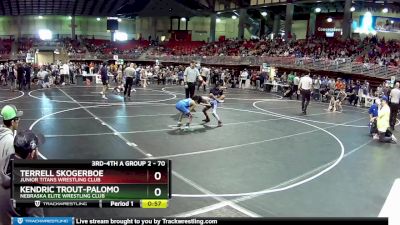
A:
132,221
200,221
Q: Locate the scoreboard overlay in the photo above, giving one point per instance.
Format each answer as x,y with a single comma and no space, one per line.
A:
91,183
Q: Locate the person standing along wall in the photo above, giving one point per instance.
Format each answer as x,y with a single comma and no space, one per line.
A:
394,104
20,76
28,71
296,81
104,79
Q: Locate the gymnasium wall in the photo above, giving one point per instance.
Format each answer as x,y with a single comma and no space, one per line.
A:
299,27
62,25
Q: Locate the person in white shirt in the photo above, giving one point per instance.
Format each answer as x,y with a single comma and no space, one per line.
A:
305,85
243,78
143,78
65,72
190,76
296,82
394,104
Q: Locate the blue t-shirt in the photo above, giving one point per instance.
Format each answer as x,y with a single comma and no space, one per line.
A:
180,75
185,102
373,110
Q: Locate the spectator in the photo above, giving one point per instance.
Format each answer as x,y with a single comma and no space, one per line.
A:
104,79
28,72
383,123
243,78
296,81
394,105
316,88
373,115
26,147
10,116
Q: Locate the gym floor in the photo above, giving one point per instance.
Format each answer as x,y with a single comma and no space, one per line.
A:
266,160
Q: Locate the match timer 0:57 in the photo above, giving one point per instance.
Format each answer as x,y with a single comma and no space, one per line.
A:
154,203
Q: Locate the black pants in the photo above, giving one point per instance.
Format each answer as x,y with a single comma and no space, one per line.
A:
71,78
128,86
353,99
305,99
20,83
394,110
27,82
190,90
161,80
316,94
295,88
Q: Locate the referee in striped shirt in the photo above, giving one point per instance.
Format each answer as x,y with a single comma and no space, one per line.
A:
190,76
305,86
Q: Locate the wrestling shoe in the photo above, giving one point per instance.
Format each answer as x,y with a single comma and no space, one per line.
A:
206,120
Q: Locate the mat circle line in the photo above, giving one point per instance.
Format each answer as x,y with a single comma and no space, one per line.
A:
11,99
272,190
246,193
110,103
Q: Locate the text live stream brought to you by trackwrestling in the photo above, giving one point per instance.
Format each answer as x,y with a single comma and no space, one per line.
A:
199,221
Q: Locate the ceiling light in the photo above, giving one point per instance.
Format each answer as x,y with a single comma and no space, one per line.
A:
119,20
264,13
352,9
183,19
392,22
329,20
234,17
318,10
45,34
98,19
385,10
70,17
218,20
40,17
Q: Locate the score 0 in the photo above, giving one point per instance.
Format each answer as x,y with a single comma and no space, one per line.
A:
158,176
159,181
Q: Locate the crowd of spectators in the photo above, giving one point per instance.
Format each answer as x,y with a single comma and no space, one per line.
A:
311,47
74,46
106,47
369,50
5,46
381,52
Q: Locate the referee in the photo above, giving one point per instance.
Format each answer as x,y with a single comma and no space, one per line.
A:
190,75
305,85
129,74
